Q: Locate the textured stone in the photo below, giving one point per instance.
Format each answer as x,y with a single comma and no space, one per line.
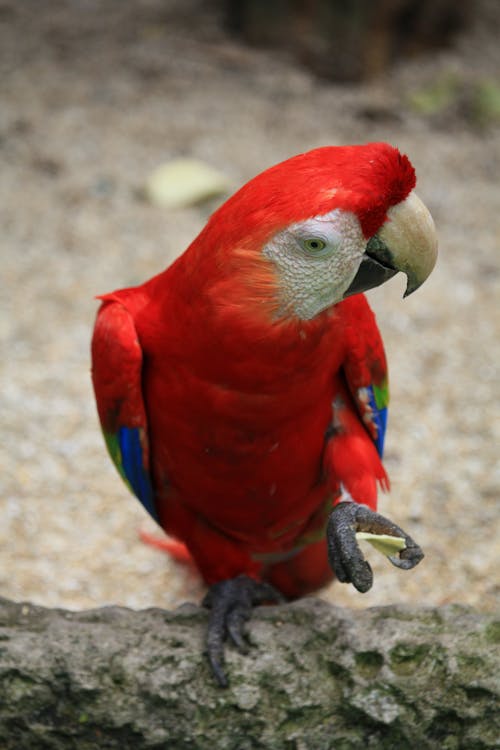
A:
317,677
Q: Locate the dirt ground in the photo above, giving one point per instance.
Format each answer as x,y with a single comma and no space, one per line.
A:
94,95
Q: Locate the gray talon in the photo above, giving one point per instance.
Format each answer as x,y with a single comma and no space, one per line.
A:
231,604
345,556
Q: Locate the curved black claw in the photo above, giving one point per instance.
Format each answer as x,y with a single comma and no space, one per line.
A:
346,558
231,603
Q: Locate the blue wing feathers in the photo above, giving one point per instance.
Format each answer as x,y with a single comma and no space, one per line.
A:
379,417
134,469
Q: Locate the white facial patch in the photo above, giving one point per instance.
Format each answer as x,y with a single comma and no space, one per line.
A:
316,261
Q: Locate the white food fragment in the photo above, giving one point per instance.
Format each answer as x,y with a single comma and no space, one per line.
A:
384,543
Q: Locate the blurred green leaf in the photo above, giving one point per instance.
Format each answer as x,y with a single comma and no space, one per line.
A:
486,102
435,98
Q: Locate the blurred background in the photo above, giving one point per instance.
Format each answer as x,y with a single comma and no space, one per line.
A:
94,96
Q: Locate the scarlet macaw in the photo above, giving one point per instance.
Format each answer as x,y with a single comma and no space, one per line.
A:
242,392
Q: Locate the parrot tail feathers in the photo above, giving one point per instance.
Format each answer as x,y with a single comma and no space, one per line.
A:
177,550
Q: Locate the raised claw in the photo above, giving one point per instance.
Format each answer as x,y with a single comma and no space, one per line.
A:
231,604
409,556
345,556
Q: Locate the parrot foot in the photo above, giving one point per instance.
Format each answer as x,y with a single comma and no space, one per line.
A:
231,603
346,558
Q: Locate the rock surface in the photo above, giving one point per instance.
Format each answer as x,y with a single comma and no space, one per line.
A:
93,97
317,677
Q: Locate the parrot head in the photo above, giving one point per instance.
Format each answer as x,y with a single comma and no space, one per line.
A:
325,225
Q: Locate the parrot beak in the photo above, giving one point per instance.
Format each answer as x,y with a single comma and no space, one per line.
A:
407,242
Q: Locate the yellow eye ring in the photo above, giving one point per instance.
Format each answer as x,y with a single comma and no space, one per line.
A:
314,245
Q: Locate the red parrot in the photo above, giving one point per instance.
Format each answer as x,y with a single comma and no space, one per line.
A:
242,392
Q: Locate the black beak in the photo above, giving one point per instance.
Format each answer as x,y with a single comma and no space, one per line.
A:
375,268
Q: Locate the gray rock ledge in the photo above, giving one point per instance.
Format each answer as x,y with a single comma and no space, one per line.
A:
316,677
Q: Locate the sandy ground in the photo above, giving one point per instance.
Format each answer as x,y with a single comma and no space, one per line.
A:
93,97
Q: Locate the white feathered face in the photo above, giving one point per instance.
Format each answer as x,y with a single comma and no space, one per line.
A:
316,261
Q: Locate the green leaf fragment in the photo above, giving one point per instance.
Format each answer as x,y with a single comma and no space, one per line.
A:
387,545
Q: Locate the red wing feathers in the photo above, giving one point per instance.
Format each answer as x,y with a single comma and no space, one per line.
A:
117,378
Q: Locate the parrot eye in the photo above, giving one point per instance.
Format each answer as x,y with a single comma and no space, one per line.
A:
314,245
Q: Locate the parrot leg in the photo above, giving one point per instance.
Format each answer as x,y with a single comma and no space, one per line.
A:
346,558
231,603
